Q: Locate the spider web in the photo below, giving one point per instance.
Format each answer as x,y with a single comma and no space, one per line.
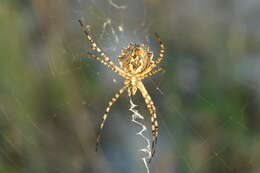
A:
54,95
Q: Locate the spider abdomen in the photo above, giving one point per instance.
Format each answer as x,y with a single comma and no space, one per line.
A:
135,59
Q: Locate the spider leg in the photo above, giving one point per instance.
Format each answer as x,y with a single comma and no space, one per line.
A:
152,110
109,66
158,60
151,72
94,45
103,120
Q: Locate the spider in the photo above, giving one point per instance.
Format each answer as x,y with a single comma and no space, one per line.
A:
136,63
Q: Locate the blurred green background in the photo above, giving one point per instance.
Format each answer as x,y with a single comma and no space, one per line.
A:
52,95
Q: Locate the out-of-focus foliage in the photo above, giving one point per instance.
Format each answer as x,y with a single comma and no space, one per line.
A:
52,95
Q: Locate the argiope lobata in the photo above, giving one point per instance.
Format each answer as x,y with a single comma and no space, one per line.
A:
136,63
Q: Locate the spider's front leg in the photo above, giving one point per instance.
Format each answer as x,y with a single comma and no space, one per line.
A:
152,110
110,103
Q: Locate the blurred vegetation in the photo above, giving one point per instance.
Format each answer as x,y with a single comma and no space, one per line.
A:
52,95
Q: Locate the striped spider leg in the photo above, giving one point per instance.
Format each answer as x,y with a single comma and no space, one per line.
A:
105,59
136,63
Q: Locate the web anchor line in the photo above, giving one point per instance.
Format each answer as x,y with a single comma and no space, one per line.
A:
135,116
117,6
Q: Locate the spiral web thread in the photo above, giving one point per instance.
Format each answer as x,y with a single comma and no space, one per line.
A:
135,116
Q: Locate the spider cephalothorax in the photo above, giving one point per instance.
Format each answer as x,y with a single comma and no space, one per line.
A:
136,63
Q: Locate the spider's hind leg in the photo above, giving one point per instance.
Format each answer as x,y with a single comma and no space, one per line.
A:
110,103
94,45
109,65
161,49
151,72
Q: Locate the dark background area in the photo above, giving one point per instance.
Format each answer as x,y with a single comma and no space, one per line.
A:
52,95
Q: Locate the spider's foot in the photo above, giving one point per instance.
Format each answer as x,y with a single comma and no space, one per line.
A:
151,156
153,149
97,142
80,22
157,36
